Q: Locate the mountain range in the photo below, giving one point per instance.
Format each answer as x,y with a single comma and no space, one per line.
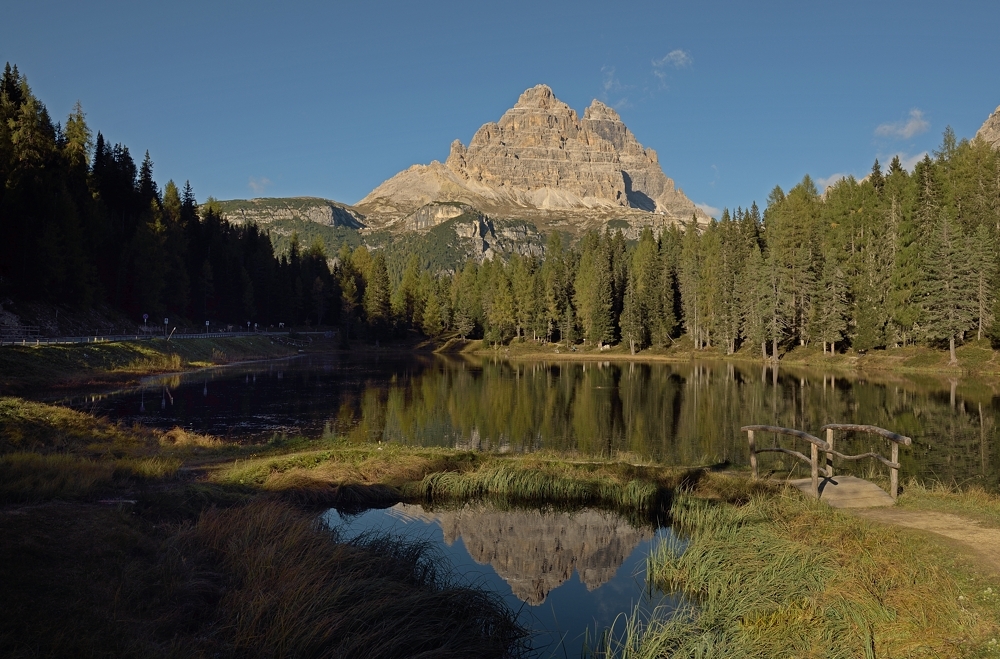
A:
539,168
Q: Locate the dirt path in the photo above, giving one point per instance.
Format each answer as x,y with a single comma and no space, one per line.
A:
983,541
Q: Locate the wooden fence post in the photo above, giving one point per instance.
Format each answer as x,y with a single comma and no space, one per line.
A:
814,465
829,455
753,454
894,476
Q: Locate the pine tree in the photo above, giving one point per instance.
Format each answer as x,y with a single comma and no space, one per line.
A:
947,296
432,322
984,272
689,280
376,295
833,305
633,330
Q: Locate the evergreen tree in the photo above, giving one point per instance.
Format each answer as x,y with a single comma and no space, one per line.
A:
632,326
833,305
947,293
376,296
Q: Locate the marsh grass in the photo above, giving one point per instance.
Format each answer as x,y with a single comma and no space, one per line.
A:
261,579
432,475
373,597
786,576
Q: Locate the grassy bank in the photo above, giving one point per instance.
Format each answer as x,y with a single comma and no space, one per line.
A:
127,541
787,576
30,368
114,544
975,357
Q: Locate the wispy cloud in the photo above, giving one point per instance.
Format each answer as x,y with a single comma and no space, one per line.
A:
711,211
258,185
914,125
677,59
611,85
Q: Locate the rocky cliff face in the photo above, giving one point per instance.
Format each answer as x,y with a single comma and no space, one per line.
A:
536,552
990,130
540,159
311,209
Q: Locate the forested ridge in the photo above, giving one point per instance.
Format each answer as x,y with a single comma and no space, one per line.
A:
81,224
895,259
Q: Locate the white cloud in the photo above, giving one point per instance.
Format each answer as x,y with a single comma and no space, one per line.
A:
830,180
258,185
711,211
677,59
906,129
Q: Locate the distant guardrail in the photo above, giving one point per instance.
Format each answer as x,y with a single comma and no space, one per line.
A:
32,339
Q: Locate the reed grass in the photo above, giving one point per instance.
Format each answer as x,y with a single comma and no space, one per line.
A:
38,477
540,483
296,591
785,576
261,579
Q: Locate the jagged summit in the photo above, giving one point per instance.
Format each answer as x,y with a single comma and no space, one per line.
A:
539,156
990,130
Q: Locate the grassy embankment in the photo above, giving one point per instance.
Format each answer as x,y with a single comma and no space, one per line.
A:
977,357
26,368
781,575
220,555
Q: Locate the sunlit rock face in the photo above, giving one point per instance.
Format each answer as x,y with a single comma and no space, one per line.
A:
990,130
540,156
535,551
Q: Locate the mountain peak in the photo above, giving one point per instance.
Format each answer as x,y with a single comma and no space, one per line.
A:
539,96
600,112
540,156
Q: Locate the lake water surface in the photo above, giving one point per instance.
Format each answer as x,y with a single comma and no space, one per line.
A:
673,413
568,575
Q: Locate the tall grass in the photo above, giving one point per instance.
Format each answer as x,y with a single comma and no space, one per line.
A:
784,576
532,483
256,580
37,477
295,590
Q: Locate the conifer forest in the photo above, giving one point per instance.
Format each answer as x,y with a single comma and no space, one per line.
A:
895,259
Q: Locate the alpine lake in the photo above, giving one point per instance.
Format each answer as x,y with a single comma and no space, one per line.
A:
569,574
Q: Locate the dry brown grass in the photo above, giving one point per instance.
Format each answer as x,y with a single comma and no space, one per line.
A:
179,438
260,580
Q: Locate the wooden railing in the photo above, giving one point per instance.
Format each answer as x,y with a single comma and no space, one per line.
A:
893,464
815,445
827,446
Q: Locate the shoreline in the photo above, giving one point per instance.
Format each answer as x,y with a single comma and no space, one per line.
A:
910,360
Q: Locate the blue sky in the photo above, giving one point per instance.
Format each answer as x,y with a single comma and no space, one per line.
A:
329,99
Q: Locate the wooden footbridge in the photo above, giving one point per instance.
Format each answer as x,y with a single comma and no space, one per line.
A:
838,491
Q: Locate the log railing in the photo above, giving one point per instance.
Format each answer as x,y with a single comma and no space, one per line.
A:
894,439
815,445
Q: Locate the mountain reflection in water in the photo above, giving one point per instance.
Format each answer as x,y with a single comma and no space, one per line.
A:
535,551
528,558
